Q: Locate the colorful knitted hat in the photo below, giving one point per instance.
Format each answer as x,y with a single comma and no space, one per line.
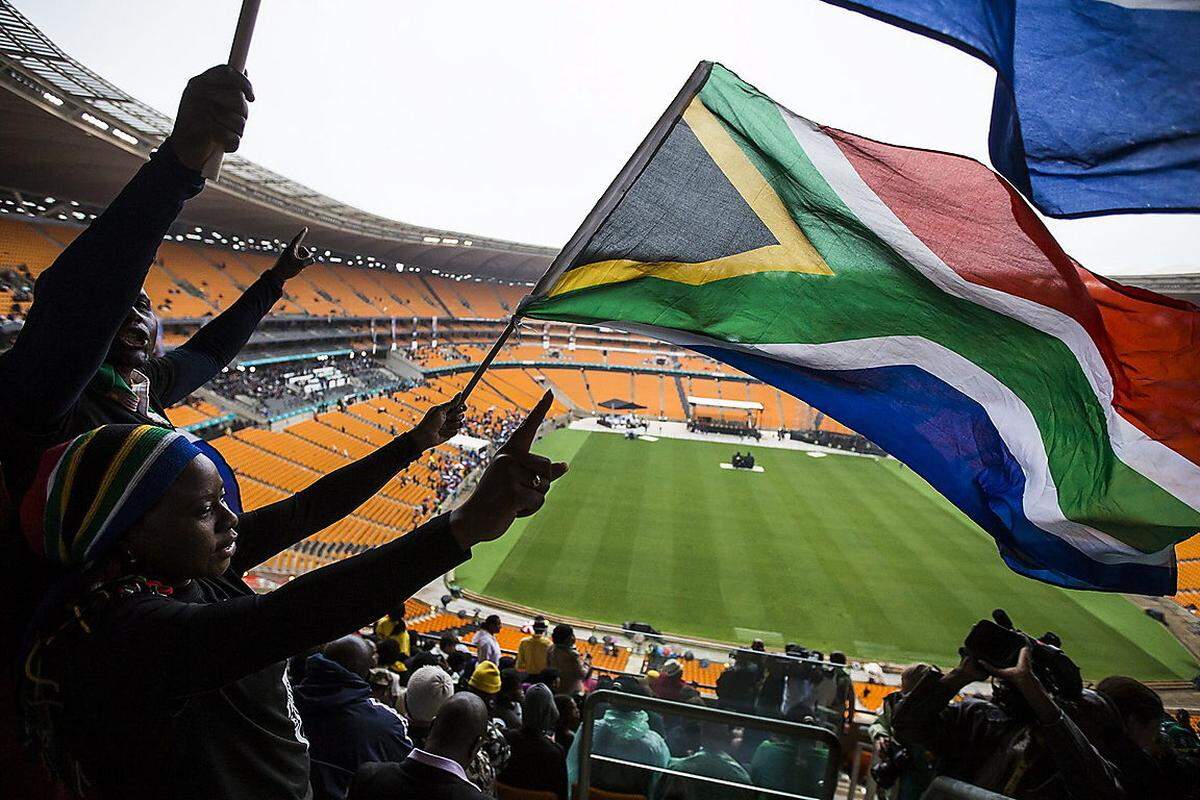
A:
90,490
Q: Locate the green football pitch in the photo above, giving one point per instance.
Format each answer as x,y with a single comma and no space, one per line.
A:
839,552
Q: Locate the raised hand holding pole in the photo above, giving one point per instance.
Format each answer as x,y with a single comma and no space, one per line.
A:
237,60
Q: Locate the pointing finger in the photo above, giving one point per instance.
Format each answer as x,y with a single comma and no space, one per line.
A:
522,438
297,240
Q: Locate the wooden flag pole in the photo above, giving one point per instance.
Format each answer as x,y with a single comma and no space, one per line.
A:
488,359
237,60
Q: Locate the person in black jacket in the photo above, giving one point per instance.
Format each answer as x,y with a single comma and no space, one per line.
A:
437,772
345,726
52,389
156,671
536,762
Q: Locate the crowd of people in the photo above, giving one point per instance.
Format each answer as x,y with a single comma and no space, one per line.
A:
145,665
278,387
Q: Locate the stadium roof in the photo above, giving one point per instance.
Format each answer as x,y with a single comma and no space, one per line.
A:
69,133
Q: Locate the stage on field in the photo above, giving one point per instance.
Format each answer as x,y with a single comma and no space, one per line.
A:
835,552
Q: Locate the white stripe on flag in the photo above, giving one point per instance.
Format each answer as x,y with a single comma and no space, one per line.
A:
1012,418
1159,463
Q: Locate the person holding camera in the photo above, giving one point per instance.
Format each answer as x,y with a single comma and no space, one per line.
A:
1024,743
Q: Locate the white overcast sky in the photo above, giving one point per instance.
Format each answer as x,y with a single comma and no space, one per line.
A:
509,119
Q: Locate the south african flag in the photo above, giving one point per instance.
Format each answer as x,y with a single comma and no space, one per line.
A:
915,297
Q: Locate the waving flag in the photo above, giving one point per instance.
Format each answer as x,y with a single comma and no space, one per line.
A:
1097,102
913,296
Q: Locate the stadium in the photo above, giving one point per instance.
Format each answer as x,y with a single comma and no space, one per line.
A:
825,540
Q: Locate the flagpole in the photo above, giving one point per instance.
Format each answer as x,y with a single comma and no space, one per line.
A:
608,201
488,359
237,59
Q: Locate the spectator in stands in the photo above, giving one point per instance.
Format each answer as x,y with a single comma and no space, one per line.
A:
437,771
622,733
345,726
711,760
788,764
568,720
536,761
385,687
532,651
737,686
573,669
1031,748
427,689
394,627
390,655
669,685
1148,760
152,628
510,699
902,773
89,314
493,753
486,646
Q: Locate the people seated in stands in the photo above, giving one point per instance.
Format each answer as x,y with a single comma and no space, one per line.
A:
789,764
536,762
486,646
572,668
1023,743
510,698
900,772
390,655
1146,757
153,668
428,688
344,725
392,626
533,649
493,753
669,685
568,720
737,686
437,771
711,760
622,733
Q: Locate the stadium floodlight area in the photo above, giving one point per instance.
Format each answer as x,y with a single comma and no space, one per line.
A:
817,759
35,69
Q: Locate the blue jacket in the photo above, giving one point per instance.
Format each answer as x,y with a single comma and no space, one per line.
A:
345,726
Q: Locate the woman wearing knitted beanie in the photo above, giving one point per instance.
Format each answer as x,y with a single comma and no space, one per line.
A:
153,670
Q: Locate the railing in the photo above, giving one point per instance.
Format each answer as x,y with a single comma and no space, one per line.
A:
944,788
796,731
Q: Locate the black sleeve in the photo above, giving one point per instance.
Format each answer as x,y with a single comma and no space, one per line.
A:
178,649
266,531
195,362
924,715
83,297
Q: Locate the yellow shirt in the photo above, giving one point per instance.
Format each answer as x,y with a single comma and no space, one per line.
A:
386,629
531,654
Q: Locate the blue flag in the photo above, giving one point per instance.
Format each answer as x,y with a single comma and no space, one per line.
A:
1097,102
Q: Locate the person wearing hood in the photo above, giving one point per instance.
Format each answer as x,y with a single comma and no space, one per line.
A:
535,762
625,734
344,724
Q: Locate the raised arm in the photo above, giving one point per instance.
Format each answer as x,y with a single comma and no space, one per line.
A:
266,531
195,362
195,647
82,298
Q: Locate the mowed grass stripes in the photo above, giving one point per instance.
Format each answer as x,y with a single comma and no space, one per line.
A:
837,552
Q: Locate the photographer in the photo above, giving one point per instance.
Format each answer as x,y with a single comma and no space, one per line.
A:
1024,743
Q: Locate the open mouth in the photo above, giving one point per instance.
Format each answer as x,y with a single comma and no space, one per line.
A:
134,338
228,550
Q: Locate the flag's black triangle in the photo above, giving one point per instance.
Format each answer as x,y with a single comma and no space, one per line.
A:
682,208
